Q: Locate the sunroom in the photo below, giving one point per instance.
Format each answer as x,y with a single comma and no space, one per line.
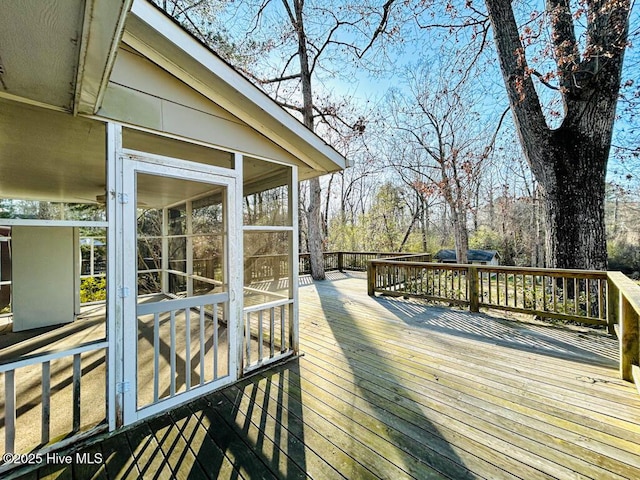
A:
148,219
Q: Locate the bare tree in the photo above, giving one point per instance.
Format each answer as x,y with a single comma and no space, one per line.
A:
440,141
587,40
562,69
291,82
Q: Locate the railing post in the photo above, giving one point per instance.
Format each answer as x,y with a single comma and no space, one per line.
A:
340,262
628,339
371,278
613,306
474,297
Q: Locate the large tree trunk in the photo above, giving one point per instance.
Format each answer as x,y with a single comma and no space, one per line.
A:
569,162
574,193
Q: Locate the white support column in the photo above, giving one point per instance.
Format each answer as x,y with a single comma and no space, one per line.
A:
294,333
235,235
115,311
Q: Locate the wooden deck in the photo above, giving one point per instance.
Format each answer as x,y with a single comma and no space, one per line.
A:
390,388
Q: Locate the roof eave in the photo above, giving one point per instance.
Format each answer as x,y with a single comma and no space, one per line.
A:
102,30
152,33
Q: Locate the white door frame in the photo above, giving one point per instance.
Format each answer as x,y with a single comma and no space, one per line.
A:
134,162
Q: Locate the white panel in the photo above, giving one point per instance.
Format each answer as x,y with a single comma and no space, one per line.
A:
44,289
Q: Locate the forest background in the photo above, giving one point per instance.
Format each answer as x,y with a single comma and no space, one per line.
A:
411,93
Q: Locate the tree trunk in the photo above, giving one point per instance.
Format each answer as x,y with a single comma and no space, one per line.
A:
314,225
314,214
461,235
424,223
569,162
574,193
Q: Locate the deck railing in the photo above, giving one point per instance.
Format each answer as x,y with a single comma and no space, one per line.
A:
624,301
355,261
196,319
574,295
608,299
267,267
267,337
71,410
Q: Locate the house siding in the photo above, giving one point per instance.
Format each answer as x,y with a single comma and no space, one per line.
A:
142,94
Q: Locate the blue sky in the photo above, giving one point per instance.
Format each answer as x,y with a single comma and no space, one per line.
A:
420,46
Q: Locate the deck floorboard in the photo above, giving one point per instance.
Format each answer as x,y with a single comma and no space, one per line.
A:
393,388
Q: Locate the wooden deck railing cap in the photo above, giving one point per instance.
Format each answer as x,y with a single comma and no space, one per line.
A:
626,286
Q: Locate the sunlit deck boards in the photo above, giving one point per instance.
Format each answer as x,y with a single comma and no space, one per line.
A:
392,389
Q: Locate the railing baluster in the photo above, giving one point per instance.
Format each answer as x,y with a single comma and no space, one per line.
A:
187,349
46,403
283,337
215,340
466,286
202,344
601,299
272,336
10,411
172,354
156,356
77,374
247,336
453,288
506,289
534,291
260,336
587,286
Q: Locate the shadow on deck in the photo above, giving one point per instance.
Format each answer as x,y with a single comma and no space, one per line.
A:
391,388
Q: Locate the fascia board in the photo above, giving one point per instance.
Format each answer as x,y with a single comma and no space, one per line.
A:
102,30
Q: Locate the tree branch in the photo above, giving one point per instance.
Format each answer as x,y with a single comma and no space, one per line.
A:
564,41
523,97
386,8
281,79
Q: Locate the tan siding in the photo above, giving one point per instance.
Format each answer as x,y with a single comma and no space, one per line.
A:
142,94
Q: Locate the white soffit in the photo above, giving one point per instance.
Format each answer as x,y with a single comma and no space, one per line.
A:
59,53
39,45
149,31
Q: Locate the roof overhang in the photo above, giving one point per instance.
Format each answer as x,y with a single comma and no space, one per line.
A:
59,54
151,32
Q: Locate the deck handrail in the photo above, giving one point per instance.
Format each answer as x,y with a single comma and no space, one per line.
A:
624,299
593,297
575,295
269,266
